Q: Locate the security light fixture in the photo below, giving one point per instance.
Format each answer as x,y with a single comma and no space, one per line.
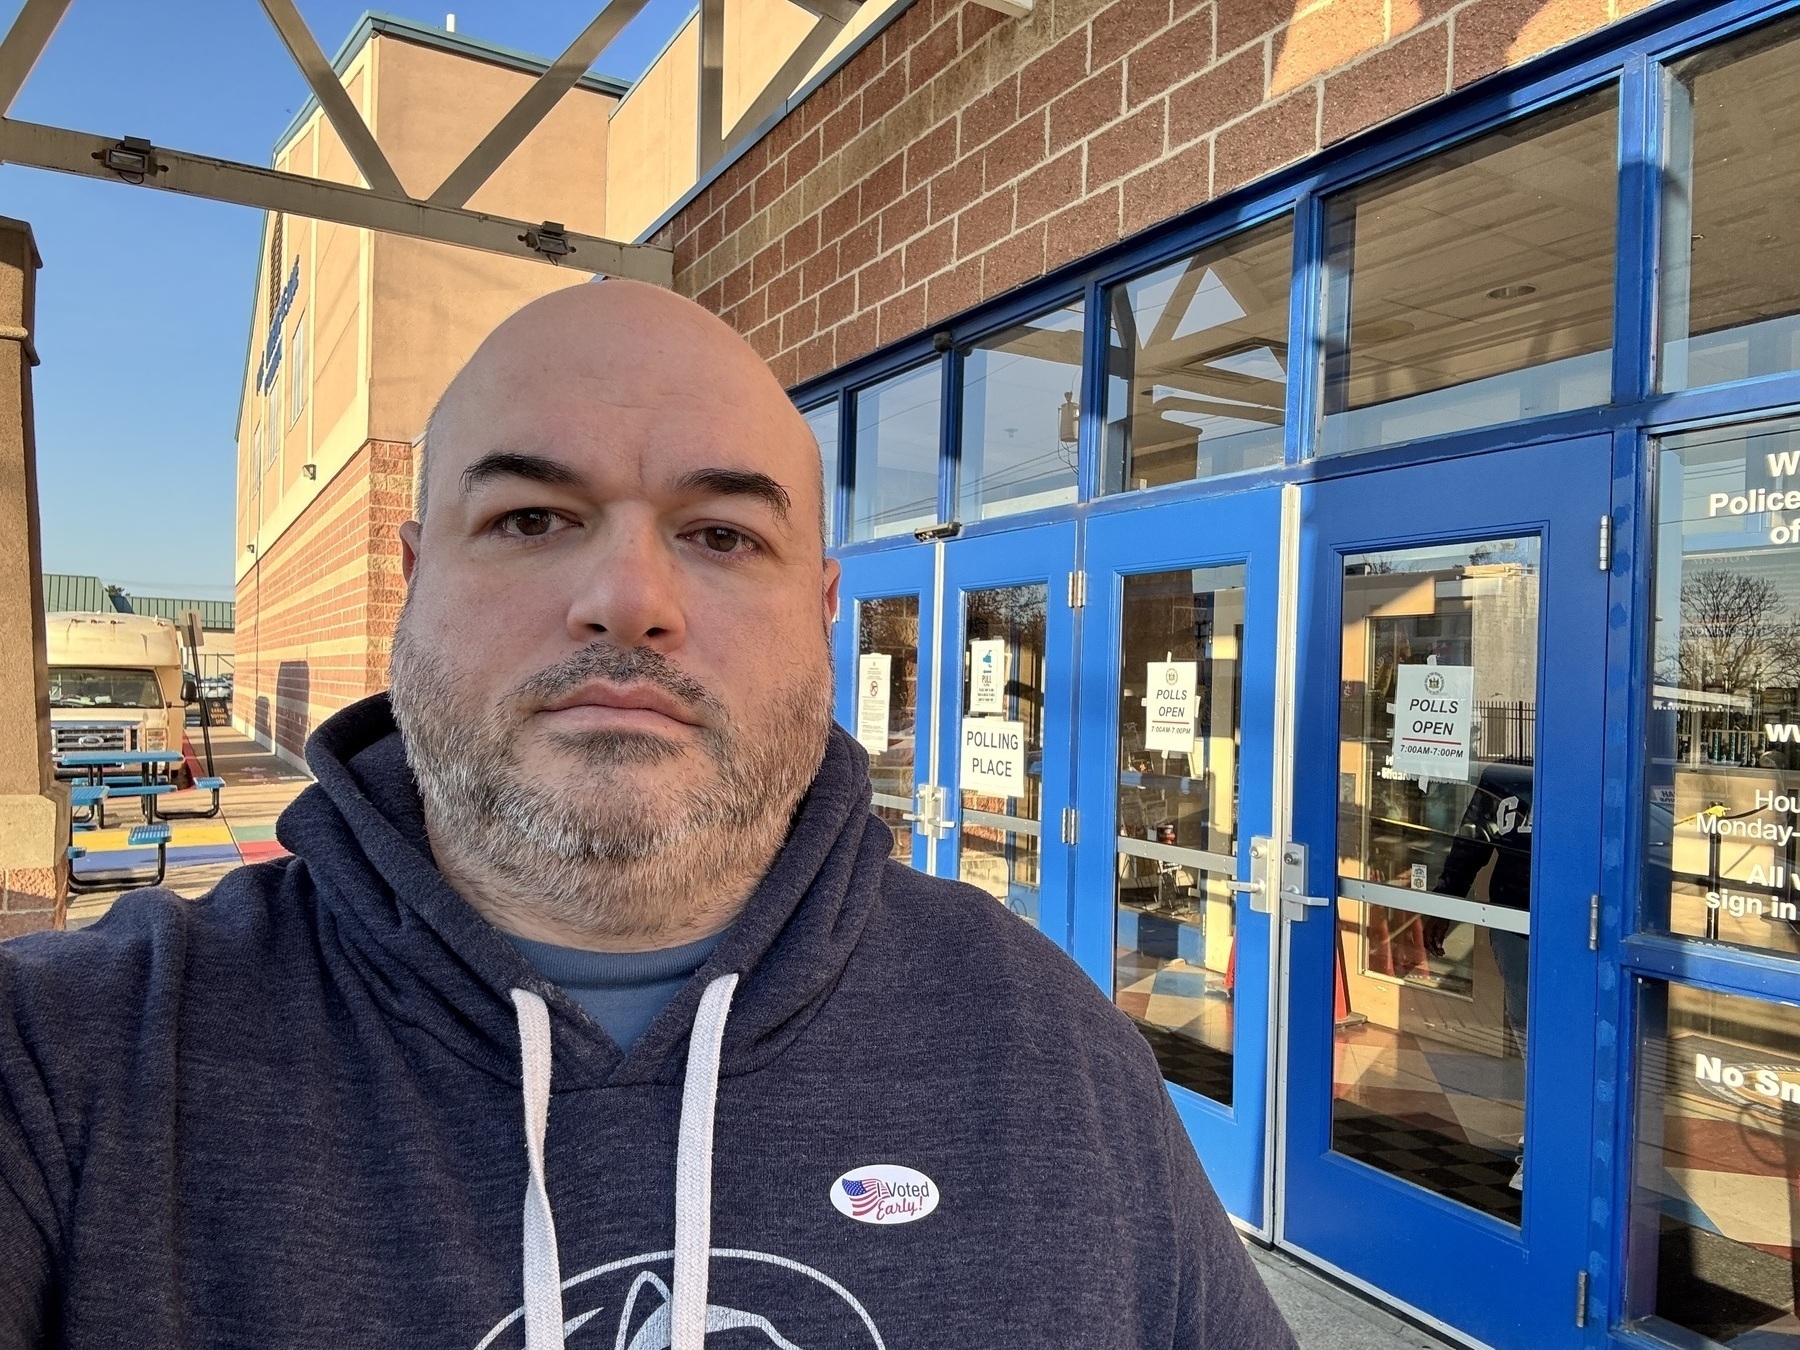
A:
549,239
133,159
311,471
250,547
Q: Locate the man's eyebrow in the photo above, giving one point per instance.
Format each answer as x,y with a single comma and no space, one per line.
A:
511,464
736,483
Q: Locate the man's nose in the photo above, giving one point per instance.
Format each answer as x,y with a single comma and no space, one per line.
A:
628,588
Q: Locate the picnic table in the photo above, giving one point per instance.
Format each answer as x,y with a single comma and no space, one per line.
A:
151,783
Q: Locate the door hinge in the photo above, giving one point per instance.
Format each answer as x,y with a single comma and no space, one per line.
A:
1077,589
1581,1298
1071,825
1593,923
1606,542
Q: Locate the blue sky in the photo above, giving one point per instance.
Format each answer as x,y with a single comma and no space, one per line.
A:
144,297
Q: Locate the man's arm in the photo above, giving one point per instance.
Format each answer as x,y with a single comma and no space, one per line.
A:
1224,1305
25,1290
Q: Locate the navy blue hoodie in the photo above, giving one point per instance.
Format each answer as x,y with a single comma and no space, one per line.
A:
329,1105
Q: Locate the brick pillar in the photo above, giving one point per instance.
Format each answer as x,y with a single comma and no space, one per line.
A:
34,810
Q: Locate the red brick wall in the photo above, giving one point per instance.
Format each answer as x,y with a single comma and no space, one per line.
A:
316,616
961,154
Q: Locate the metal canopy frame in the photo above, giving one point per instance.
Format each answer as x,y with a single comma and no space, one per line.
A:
384,204
714,138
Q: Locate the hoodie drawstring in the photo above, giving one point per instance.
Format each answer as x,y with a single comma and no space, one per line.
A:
693,1174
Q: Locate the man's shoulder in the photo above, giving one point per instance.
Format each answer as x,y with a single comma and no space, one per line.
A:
149,938
982,965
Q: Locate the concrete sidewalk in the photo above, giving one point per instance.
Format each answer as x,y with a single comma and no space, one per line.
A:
1327,1316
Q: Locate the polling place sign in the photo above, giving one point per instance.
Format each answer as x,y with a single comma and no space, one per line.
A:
993,757
1433,721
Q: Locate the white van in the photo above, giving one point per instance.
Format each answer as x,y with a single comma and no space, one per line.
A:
116,683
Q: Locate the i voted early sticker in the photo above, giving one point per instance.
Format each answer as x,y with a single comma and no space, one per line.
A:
884,1193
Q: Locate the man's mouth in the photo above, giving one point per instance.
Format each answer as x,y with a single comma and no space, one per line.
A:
603,706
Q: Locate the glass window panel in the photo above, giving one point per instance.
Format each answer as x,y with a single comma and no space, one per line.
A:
1723,829
1437,734
1715,1212
1180,699
1731,237
1477,286
895,487
824,423
890,628
1003,681
1021,417
1197,362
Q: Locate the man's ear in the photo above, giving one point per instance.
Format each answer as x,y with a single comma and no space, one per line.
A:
833,575
409,549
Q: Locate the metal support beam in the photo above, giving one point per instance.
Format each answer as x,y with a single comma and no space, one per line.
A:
534,104
710,132
25,42
345,117
712,138
45,147
787,79
839,12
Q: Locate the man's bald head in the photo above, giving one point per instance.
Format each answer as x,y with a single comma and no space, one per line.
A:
616,328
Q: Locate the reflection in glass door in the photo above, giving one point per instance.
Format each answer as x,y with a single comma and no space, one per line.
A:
1436,748
1006,729
881,644
1002,744
887,707
1441,989
1180,705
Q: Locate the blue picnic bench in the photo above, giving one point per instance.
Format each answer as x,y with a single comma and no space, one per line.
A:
142,836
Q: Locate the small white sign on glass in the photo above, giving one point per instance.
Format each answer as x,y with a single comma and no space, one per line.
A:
992,762
1433,721
873,673
1170,706
987,675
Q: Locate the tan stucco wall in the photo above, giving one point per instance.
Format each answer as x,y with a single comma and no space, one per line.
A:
653,139
433,107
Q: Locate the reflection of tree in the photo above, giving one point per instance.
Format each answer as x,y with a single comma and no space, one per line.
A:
1736,634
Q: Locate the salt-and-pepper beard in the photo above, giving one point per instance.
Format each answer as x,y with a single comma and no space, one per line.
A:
610,860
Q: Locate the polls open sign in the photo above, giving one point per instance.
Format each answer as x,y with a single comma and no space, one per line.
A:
1433,721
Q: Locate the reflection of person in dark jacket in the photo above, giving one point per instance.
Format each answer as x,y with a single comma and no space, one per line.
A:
1496,825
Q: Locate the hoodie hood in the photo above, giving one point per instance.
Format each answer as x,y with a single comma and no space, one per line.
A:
441,967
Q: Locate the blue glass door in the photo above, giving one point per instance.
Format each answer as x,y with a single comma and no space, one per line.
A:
882,642
1005,720
1177,711
1440,986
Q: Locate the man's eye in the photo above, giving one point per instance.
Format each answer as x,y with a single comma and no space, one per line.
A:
529,524
724,539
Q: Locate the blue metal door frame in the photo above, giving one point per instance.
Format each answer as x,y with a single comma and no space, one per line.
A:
1512,1288
1242,529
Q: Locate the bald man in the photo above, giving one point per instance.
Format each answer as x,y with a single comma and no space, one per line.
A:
590,1008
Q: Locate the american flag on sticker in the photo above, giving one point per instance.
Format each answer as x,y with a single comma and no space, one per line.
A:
864,1194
